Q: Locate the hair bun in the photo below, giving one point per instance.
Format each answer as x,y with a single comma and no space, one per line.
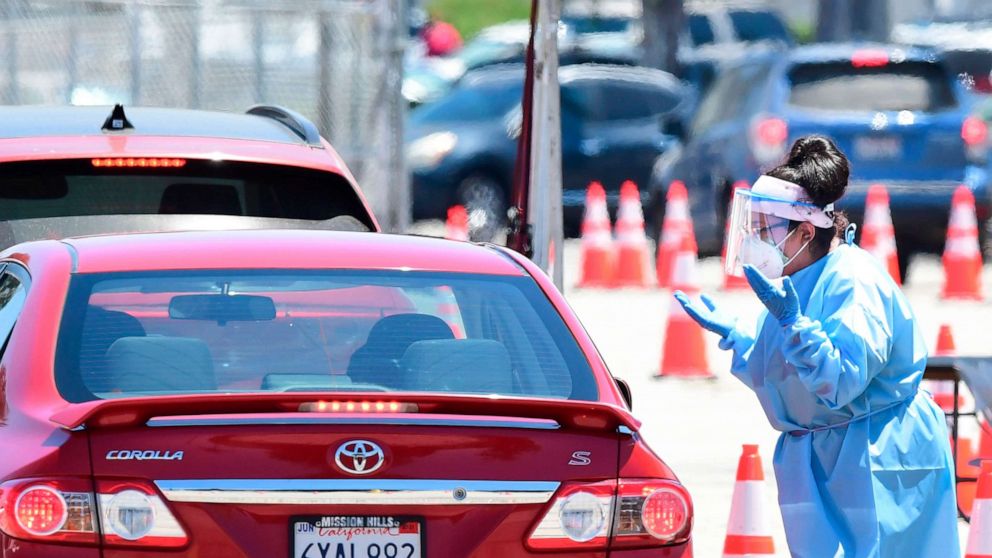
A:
808,146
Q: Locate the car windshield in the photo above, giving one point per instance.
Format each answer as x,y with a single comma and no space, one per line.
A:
78,188
473,102
152,334
840,86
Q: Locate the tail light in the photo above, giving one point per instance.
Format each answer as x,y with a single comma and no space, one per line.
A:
631,513
975,134
768,139
65,511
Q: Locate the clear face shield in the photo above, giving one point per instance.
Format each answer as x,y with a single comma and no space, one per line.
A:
759,226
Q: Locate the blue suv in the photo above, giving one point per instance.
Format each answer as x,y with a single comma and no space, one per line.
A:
896,112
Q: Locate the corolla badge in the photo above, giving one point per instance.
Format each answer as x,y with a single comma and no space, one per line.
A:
359,457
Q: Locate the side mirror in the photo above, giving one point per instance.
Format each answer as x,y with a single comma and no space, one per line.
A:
625,391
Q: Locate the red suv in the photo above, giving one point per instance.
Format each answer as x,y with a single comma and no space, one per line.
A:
64,170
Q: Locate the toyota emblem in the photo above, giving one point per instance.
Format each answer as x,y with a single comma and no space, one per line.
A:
359,457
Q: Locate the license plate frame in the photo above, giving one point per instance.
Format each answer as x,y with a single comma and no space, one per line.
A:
886,147
316,520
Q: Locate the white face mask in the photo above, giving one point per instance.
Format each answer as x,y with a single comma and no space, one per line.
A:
766,257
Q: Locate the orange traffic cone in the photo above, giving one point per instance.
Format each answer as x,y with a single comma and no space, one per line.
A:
456,227
597,240
878,236
676,223
964,454
980,532
749,532
732,282
683,353
962,256
943,390
633,255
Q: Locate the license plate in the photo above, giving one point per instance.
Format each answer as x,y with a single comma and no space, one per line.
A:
878,147
356,536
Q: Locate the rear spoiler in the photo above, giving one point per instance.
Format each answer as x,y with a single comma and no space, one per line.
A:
116,413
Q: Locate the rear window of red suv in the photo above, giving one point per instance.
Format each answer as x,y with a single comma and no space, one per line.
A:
159,186
149,334
845,86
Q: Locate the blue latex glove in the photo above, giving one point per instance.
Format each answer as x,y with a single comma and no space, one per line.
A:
708,317
782,302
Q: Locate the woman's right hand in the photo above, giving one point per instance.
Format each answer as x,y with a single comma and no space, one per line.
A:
707,316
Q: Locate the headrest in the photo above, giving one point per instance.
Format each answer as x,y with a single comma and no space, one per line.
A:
459,365
169,364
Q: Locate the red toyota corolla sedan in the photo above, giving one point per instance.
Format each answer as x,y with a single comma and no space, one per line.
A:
312,394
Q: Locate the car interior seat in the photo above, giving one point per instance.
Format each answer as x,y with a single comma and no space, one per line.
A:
169,364
459,365
200,199
377,361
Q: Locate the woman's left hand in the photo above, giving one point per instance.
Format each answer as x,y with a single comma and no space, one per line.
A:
782,302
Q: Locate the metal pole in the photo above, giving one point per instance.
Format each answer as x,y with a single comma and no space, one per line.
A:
72,65
11,37
324,76
134,22
195,68
258,42
545,193
398,176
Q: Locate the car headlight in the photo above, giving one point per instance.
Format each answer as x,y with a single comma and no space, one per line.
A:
428,151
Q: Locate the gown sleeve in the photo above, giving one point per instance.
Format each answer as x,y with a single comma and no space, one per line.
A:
836,357
741,343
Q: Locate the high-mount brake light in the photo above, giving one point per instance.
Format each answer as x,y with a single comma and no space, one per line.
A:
639,513
870,58
139,162
64,511
358,407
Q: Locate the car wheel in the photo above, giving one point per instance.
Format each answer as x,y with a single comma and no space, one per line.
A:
485,203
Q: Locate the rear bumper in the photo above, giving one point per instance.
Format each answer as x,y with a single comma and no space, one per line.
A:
919,209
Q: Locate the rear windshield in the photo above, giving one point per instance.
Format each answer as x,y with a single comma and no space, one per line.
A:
263,331
839,86
74,188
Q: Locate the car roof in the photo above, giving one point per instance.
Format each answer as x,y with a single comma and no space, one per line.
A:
842,52
52,121
279,249
574,72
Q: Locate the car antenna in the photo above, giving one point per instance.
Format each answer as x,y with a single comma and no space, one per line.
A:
117,120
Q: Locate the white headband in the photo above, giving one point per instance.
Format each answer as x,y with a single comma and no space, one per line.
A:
787,200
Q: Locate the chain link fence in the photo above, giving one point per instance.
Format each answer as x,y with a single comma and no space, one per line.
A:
339,62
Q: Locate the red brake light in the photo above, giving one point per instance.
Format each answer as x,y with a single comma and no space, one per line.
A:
769,135
40,510
870,58
64,511
772,131
139,162
640,513
974,131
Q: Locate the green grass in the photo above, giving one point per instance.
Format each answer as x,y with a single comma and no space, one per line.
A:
469,16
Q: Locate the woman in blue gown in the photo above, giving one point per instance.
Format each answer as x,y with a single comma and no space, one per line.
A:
863,463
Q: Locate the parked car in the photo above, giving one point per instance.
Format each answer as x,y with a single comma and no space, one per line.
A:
713,23
964,45
428,79
67,168
896,112
300,393
462,149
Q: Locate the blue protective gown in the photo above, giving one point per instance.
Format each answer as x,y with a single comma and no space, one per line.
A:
863,464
